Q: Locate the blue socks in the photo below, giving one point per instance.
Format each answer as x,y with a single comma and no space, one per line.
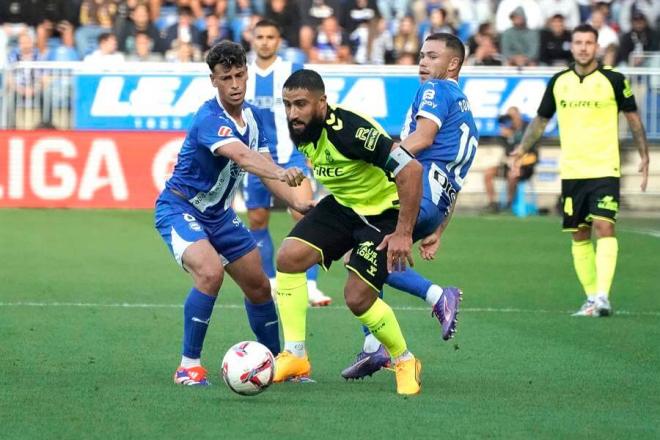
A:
265,246
265,325
313,273
196,316
410,282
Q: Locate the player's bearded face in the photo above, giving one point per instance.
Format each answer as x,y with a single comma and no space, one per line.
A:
305,111
304,132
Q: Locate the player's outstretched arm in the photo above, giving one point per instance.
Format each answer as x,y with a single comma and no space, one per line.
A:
259,165
422,137
637,128
408,177
284,192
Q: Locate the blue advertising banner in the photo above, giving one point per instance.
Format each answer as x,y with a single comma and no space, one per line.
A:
168,101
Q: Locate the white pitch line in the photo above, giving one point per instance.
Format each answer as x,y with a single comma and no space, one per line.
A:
651,232
334,308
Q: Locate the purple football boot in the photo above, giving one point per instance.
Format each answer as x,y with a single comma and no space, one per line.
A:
446,310
367,364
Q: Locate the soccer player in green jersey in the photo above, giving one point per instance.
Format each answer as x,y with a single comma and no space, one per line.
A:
587,98
375,191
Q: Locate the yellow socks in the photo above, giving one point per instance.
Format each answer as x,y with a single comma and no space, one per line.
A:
382,323
607,249
292,305
584,260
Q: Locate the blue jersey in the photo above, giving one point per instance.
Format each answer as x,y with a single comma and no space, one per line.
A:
207,180
455,144
264,90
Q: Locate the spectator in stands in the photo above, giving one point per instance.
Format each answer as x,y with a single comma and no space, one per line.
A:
143,49
382,44
106,53
332,44
470,14
56,41
555,47
407,59
392,9
287,15
568,9
96,17
216,30
485,29
485,54
437,22
360,21
531,9
312,13
139,21
608,40
640,39
512,127
627,8
28,85
183,30
406,40
183,52
520,45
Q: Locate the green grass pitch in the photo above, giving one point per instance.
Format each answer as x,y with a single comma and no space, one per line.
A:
90,324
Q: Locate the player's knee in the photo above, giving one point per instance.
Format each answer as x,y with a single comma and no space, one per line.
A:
258,218
292,258
359,298
604,229
209,278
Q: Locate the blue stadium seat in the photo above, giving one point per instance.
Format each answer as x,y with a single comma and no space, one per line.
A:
524,202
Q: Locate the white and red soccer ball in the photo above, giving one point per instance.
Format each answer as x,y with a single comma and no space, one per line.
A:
248,368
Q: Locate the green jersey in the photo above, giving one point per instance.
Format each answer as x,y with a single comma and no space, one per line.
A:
349,159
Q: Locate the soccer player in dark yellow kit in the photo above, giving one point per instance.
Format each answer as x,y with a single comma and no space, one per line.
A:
587,98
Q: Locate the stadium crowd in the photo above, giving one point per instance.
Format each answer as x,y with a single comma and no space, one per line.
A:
497,32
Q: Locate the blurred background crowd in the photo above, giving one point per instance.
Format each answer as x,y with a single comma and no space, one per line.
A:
496,32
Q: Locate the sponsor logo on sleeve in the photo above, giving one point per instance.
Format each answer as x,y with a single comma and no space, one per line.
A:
224,131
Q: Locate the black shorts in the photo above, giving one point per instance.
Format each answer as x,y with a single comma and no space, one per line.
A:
586,199
333,230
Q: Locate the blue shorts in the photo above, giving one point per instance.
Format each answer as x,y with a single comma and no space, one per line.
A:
256,194
180,225
437,197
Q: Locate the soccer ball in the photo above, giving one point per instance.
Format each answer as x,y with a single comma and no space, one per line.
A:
248,368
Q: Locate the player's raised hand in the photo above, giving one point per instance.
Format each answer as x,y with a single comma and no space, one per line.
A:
291,176
429,246
644,169
399,250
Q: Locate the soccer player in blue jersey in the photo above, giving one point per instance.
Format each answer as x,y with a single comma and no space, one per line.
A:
440,131
264,89
194,215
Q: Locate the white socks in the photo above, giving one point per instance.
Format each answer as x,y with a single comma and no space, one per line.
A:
433,294
187,362
406,355
371,344
297,348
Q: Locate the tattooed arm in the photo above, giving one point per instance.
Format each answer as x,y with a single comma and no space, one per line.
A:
637,128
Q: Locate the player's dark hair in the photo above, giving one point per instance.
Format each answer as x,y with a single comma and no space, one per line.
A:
305,79
267,22
227,53
585,28
452,42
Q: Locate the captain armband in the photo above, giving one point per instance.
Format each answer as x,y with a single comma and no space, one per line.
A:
397,160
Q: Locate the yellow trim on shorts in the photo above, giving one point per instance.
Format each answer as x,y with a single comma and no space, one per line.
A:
598,217
313,247
570,229
354,270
